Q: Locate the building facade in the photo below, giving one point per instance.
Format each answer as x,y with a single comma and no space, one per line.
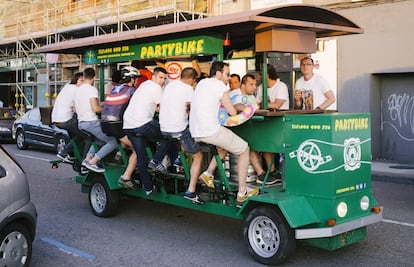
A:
372,72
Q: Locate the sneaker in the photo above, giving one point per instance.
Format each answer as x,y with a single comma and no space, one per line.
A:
93,167
192,196
84,170
157,167
84,162
250,192
65,158
149,192
207,179
273,178
177,163
178,166
128,184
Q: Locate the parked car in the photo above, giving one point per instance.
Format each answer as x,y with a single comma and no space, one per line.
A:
6,123
18,215
35,129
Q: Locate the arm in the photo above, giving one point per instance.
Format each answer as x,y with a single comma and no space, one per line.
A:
96,107
225,100
330,99
276,104
194,62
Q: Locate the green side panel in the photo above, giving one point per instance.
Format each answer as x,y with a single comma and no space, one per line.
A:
329,153
112,174
264,134
338,241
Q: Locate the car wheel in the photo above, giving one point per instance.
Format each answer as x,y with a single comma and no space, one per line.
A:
21,140
103,201
60,143
15,246
268,237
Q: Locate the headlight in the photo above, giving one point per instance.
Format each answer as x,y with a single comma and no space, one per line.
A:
342,209
4,129
364,203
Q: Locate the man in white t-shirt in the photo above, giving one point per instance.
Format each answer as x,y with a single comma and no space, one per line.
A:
277,91
174,108
64,117
139,123
87,106
322,95
205,127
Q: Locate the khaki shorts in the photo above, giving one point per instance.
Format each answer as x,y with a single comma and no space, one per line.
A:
227,140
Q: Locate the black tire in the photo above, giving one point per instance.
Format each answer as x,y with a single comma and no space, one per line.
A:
21,140
268,237
60,143
15,245
103,201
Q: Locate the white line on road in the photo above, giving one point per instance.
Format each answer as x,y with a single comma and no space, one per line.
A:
397,222
30,157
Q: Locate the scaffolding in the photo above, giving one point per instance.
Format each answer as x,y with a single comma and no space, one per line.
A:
43,22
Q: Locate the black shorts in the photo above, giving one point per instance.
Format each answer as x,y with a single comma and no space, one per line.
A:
113,128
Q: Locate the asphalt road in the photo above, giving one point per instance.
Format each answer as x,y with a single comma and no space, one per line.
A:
146,233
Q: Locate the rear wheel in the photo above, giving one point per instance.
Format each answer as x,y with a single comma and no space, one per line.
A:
60,144
103,201
21,140
268,237
15,246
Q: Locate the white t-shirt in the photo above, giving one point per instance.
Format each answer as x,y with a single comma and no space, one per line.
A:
83,104
63,107
205,106
141,107
173,107
319,86
278,91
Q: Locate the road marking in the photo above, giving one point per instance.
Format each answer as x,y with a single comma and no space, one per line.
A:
397,222
68,249
30,157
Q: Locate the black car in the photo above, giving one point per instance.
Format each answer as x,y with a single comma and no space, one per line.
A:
6,122
35,129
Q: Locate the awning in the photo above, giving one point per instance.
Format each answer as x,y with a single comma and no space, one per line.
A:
241,27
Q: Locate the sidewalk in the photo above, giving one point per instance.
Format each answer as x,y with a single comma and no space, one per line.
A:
392,172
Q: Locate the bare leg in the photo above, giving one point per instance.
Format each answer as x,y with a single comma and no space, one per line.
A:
268,158
132,161
195,170
213,164
256,162
242,169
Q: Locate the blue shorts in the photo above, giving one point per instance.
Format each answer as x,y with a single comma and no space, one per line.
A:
185,139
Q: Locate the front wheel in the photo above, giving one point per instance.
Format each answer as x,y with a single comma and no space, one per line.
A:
21,140
15,246
103,201
268,237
